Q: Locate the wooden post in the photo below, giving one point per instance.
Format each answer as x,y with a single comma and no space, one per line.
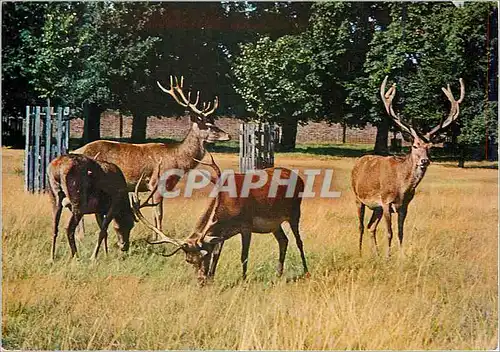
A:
66,135
242,146
59,131
36,153
48,144
27,148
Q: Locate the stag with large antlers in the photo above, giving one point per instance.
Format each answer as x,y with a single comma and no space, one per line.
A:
137,159
87,186
227,216
386,184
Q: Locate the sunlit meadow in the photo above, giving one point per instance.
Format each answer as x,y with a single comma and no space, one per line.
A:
441,295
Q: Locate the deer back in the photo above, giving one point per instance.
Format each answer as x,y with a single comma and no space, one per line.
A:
132,159
89,185
258,204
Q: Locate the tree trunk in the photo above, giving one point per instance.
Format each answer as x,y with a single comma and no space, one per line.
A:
92,122
139,124
121,124
382,138
288,135
344,132
462,152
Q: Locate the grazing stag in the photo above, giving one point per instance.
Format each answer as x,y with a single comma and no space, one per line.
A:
227,216
137,159
88,186
386,184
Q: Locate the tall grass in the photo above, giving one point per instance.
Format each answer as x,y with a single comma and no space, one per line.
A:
441,295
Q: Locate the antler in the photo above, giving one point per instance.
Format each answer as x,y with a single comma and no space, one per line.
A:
211,219
454,109
186,102
213,165
136,206
387,98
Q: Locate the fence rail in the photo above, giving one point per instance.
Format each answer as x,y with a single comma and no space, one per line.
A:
47,136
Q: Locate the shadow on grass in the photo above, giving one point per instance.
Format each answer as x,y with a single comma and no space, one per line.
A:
338,150
438,154
222,147
492,165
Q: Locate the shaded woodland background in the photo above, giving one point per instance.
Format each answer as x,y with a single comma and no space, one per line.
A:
288,63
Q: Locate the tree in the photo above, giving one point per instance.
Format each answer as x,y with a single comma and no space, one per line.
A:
19,21
315,67
424,47
276,80
79,53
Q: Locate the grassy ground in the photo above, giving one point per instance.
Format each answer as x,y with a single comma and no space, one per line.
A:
442,295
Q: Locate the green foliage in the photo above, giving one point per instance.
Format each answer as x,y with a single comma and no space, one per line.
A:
438,44
78,52
282,62
304,76
275,79
339,33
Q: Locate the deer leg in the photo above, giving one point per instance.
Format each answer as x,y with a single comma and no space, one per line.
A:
295,229
100,221
56,212
387,217
103,232
122,229
204,269
157,198
280,236
246,237
215,259
401,222
70,231
80,229
372,227
361,217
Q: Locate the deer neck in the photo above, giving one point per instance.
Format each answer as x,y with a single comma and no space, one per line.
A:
192,147
413,173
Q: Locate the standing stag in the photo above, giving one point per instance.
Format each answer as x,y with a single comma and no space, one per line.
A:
386,184
88,186
137,159
227,216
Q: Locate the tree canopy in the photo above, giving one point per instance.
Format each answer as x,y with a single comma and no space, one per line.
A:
284,62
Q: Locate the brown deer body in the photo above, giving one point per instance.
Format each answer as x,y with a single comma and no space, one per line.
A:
88,186
137,159
386,184
228,216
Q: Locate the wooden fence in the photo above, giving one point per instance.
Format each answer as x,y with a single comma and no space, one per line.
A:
257,142
47,136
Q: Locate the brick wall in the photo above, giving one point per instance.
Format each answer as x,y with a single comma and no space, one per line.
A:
176,128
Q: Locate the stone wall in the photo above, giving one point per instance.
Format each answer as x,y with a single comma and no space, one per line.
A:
176,128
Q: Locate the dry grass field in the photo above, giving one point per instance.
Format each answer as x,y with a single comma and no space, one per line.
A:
441,295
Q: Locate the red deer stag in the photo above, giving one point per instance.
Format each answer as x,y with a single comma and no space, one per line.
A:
136,159
227,216
386,184
87,186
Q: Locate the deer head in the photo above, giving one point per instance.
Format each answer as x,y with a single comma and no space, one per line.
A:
422,143
200,243
203,124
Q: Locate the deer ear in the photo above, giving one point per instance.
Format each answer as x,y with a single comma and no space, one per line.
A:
213,239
